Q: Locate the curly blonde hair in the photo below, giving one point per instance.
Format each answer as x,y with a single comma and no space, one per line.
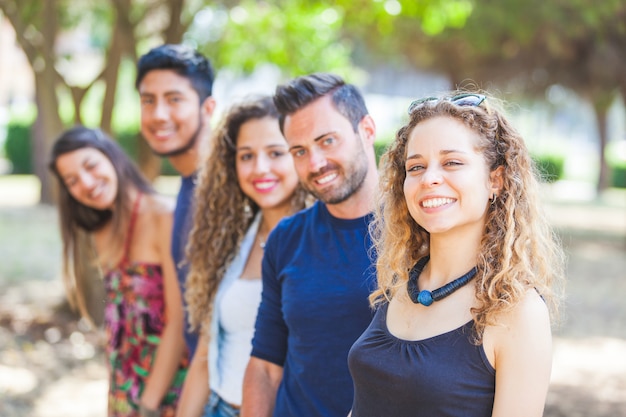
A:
223,213
518,250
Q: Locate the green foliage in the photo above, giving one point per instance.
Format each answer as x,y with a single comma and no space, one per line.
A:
616,160
550,166
618,175
297,36
167,168
129,141
304,36
98,16
430,17
17,148
126,111
379,149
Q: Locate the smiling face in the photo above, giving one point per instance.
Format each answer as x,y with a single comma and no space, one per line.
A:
329,155
448,184
89,177
264,166
172,117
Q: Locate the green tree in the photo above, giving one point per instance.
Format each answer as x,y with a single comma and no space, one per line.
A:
303,36
525,45
298,36
115,30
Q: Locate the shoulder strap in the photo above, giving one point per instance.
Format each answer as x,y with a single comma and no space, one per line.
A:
131,225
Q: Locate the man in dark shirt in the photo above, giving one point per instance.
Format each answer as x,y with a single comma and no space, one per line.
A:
317,273
175,85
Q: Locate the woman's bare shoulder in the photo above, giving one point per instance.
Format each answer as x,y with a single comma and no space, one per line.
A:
159,205
527,318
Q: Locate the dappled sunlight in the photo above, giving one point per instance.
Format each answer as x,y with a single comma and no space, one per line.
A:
79,394
16,381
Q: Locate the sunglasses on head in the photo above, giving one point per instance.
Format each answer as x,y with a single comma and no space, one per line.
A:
468,99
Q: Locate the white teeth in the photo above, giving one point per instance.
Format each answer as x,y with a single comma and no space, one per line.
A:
163,132
95,193
264,185
326,179
436,202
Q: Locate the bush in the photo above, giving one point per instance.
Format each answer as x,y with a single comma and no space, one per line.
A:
616,160
550,167
18,148
618,175
167,168
128,141
379,149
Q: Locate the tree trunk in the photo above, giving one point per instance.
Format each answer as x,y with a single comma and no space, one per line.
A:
175,30
111,76
601,110
48,124
47,127
78,95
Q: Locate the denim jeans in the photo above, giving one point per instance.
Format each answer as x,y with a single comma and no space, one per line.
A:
217,407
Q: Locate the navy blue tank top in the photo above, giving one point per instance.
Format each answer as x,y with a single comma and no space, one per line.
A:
445,375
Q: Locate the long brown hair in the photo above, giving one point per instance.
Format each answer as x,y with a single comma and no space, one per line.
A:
223,213
518,250
77,220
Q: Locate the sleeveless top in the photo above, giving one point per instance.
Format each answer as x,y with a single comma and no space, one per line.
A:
134,319
232,322
444,375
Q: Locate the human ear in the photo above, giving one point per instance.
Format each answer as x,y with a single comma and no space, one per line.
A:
207,107
496,178
367,127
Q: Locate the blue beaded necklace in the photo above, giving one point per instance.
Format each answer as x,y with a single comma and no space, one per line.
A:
426,297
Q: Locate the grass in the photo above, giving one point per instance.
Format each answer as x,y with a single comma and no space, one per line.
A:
30,246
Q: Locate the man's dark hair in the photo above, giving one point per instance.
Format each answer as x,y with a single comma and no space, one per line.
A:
299,92
184,61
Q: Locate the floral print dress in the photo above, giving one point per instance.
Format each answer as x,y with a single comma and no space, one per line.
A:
134,319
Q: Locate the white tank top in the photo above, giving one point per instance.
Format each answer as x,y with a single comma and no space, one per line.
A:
237,312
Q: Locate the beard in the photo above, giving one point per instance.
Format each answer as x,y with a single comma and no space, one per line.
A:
353,174
191,142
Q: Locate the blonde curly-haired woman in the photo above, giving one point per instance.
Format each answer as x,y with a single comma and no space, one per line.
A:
467,268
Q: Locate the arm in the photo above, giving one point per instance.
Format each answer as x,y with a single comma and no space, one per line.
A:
196,390
172,344
260,385
522,348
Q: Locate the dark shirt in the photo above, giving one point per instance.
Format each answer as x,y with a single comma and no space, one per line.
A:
317,276
183,215
445,375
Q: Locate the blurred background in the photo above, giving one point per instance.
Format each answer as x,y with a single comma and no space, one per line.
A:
560,65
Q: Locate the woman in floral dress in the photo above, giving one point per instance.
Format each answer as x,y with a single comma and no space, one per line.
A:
104,197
